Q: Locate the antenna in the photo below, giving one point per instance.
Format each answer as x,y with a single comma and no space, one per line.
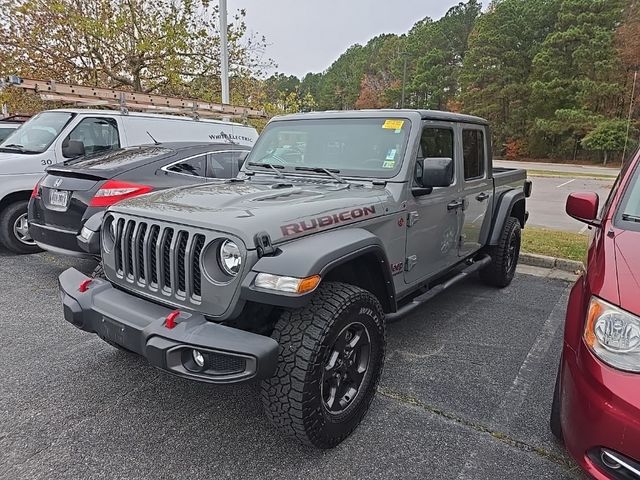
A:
154,140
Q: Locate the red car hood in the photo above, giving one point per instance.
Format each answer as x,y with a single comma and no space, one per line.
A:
628,266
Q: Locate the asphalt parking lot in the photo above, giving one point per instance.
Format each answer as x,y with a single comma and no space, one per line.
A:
465,395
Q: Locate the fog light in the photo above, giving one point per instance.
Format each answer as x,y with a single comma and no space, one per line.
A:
198,358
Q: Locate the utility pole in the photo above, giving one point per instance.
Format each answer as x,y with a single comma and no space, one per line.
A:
404,78
633,94
224,52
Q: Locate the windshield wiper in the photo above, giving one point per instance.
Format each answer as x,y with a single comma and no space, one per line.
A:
14,147
269,165
630,218
329,171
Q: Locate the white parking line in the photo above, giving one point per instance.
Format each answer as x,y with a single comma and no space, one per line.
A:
584,229
566,183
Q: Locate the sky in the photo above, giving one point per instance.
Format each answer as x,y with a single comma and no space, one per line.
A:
309,35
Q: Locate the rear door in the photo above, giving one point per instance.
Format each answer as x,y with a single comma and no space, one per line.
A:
477,187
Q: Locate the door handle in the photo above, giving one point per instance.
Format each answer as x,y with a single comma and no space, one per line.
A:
481,197
455,205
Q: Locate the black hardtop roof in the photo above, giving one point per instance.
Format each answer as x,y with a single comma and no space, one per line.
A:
393,113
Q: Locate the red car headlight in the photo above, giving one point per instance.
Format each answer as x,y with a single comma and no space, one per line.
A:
613,335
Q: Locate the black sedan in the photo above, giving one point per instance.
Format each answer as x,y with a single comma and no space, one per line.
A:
67,205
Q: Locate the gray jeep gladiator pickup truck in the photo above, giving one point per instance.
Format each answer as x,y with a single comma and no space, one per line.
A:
338,223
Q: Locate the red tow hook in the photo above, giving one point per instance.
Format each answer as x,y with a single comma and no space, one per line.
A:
84,285
170,321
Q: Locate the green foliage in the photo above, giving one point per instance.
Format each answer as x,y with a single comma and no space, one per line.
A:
608,136
142,45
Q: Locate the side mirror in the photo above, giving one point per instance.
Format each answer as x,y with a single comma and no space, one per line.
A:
72,148
583,206
436,172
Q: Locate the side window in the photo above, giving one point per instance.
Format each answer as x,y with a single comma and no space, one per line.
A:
196,166
225,164
473,148
434,143
92,135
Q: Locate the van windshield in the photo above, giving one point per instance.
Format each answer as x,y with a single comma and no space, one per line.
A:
37,134
358,147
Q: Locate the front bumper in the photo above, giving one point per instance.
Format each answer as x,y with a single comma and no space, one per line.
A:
231,355
600,409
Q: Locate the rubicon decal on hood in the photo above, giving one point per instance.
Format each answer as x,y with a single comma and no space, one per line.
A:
325,221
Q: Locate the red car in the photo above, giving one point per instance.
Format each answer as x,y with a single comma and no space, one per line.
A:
596,404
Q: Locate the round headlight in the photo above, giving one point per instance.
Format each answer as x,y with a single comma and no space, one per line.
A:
230,258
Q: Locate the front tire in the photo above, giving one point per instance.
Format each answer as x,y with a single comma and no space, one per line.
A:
14,232
504,255
329,364
554,419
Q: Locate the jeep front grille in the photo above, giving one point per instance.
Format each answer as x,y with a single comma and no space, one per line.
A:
159,258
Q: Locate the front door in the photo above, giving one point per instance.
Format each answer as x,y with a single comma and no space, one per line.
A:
477,188
433,227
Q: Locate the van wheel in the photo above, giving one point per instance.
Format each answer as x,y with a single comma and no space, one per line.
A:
14,229
504,255
329,363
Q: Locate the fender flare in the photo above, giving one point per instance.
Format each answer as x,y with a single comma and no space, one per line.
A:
316,255
502,211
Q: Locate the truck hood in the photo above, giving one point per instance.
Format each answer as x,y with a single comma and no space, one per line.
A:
285,209
628,270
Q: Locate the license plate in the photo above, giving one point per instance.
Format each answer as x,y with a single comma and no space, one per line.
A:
111,330
58,198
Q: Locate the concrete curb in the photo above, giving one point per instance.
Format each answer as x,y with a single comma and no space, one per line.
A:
551,262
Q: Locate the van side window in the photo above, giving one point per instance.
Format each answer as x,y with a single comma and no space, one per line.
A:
434,143
95,134
473,148
196,166
225,164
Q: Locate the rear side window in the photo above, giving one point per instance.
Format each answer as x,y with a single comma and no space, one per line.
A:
96,134
196,166
474,158
225,164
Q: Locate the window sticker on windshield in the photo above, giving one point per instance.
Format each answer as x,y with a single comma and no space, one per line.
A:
393,125
391,154
389,164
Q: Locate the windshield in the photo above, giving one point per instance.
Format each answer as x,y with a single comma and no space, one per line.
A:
37,134
366,147
630,206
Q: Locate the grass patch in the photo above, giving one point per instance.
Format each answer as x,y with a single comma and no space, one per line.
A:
557,174
555,243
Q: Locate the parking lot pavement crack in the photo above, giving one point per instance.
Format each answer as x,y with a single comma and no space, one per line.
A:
478,427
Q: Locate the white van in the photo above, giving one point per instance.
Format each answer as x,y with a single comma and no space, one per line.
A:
56,135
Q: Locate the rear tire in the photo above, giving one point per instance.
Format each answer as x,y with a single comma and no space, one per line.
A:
13,229
504,255
329,364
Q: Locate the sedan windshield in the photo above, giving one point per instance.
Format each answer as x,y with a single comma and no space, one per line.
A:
366,147
37,134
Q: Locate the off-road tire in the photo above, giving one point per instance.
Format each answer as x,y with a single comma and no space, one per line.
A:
504,255
293,398
554,419
8,217
98,272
